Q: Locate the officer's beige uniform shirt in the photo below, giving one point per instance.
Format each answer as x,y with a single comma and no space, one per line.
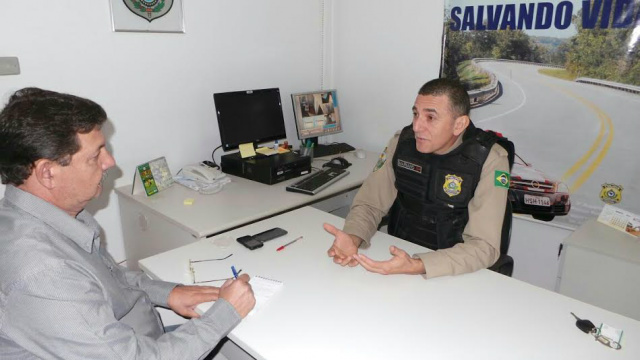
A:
481,246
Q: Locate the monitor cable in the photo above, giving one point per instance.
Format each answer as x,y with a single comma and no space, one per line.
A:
213,163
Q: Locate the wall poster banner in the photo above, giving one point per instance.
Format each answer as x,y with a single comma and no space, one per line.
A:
561,79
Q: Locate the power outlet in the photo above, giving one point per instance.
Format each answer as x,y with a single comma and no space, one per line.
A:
9,66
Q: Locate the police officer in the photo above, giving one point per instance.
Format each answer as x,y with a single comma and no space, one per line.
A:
444,184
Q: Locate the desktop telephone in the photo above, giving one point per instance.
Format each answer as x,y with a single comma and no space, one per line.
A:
202,173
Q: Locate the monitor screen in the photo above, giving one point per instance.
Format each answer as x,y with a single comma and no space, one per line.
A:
317,113
249,116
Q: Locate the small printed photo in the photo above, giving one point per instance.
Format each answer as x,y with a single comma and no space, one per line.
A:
633,227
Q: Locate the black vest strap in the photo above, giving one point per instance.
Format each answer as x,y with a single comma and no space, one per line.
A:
431,208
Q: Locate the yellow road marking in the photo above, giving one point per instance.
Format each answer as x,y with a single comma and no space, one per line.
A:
605,149
575,167
605,122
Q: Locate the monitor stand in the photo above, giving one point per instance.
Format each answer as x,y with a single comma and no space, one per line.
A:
329,149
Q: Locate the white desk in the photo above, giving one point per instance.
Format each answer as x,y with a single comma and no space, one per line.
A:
325,311
151,225
601,265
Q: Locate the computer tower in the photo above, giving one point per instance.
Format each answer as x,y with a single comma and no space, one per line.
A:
267,169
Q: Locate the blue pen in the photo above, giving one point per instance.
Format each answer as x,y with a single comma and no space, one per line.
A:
235,274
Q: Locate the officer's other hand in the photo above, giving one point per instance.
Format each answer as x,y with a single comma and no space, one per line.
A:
344,246
239,294
400,263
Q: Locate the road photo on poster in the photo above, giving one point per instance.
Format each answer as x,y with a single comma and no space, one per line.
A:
561,79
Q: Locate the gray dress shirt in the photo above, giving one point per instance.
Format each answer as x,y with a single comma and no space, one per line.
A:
63,297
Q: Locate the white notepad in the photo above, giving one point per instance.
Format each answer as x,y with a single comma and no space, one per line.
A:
263,289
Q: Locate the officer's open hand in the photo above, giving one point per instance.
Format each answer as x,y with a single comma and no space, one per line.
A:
400,263
344,246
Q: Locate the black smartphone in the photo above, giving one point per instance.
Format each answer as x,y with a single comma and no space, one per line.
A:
249,242
270,234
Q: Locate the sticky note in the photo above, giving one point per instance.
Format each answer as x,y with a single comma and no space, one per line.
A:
266,151
188,201
246,150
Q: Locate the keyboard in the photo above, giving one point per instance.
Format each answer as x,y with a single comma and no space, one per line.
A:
331,149
318,181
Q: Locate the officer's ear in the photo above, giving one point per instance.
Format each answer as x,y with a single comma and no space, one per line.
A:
460,124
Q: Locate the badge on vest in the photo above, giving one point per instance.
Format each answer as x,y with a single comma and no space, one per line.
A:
410,166
452,185
502,179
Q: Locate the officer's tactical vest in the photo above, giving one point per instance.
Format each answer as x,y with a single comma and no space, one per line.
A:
431,208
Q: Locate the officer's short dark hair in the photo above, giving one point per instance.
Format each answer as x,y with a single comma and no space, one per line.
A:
458,97
41,124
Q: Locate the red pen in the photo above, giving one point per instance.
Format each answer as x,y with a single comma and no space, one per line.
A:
289,243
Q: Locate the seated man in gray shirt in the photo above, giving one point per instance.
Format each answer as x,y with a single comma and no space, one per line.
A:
61,294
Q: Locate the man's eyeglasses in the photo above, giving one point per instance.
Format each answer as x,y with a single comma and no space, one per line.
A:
192,270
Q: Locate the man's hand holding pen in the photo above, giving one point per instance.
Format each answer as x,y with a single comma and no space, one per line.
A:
239,294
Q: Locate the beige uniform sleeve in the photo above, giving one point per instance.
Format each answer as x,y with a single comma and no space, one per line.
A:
481,246
374,199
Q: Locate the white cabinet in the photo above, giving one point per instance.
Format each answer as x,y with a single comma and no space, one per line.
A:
535,250
147,232
601,266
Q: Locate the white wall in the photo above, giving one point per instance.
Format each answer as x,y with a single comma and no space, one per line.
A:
383,52
157,88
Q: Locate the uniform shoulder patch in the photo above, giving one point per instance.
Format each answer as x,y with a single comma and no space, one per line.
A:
381,160
502,179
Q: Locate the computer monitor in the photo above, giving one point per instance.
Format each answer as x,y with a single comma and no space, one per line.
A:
316,113
249,116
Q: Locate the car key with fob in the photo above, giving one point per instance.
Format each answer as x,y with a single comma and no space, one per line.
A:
256,241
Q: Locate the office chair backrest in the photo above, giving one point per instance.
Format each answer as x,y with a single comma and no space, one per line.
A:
505,263
505,239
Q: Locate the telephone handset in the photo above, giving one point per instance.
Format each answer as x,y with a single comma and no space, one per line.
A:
202,173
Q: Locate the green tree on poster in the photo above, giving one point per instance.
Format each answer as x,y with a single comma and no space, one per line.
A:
501,44
607,54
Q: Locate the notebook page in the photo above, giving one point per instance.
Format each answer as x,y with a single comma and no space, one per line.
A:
263,289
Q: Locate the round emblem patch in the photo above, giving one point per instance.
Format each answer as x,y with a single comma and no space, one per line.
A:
611,193
452,185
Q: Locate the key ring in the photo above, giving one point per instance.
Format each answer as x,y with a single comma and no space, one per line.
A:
605,340
588,327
